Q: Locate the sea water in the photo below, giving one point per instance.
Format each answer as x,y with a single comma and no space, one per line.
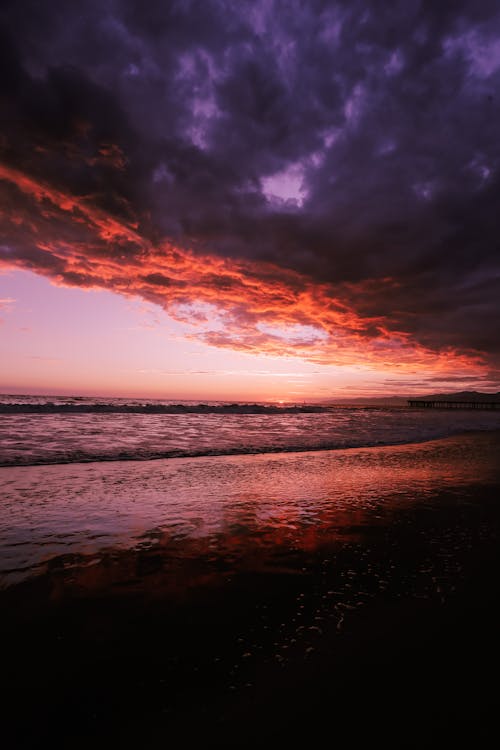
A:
52,430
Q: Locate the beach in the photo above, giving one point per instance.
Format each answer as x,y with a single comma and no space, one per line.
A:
234,598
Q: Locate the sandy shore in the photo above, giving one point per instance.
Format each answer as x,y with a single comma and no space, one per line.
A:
235,599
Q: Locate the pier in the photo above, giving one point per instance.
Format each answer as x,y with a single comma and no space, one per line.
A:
444,404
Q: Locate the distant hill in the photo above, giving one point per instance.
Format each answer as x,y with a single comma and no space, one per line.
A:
402,400
461,396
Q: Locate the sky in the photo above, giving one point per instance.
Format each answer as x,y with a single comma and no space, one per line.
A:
249,199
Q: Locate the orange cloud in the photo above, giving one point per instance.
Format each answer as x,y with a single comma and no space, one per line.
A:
244,305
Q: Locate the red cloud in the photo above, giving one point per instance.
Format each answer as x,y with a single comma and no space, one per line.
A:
74,242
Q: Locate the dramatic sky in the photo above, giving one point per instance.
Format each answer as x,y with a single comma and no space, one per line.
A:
238,198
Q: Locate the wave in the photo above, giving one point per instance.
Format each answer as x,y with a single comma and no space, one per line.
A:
74,457
138,455
104,408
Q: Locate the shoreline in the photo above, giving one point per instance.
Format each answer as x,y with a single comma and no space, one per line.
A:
353,592
83,509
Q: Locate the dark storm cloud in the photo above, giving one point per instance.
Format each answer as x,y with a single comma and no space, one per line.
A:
353,142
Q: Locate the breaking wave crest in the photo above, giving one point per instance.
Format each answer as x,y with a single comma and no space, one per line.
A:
152,408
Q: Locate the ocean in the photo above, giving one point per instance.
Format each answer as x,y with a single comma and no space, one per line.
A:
48,430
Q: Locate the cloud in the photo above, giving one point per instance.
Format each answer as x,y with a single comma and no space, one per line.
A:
257,166
7,303
6,306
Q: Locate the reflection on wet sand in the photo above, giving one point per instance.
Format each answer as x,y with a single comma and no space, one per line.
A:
241,511
209,589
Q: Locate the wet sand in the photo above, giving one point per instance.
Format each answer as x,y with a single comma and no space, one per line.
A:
239,601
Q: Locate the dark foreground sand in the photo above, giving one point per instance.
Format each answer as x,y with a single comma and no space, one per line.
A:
351,594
